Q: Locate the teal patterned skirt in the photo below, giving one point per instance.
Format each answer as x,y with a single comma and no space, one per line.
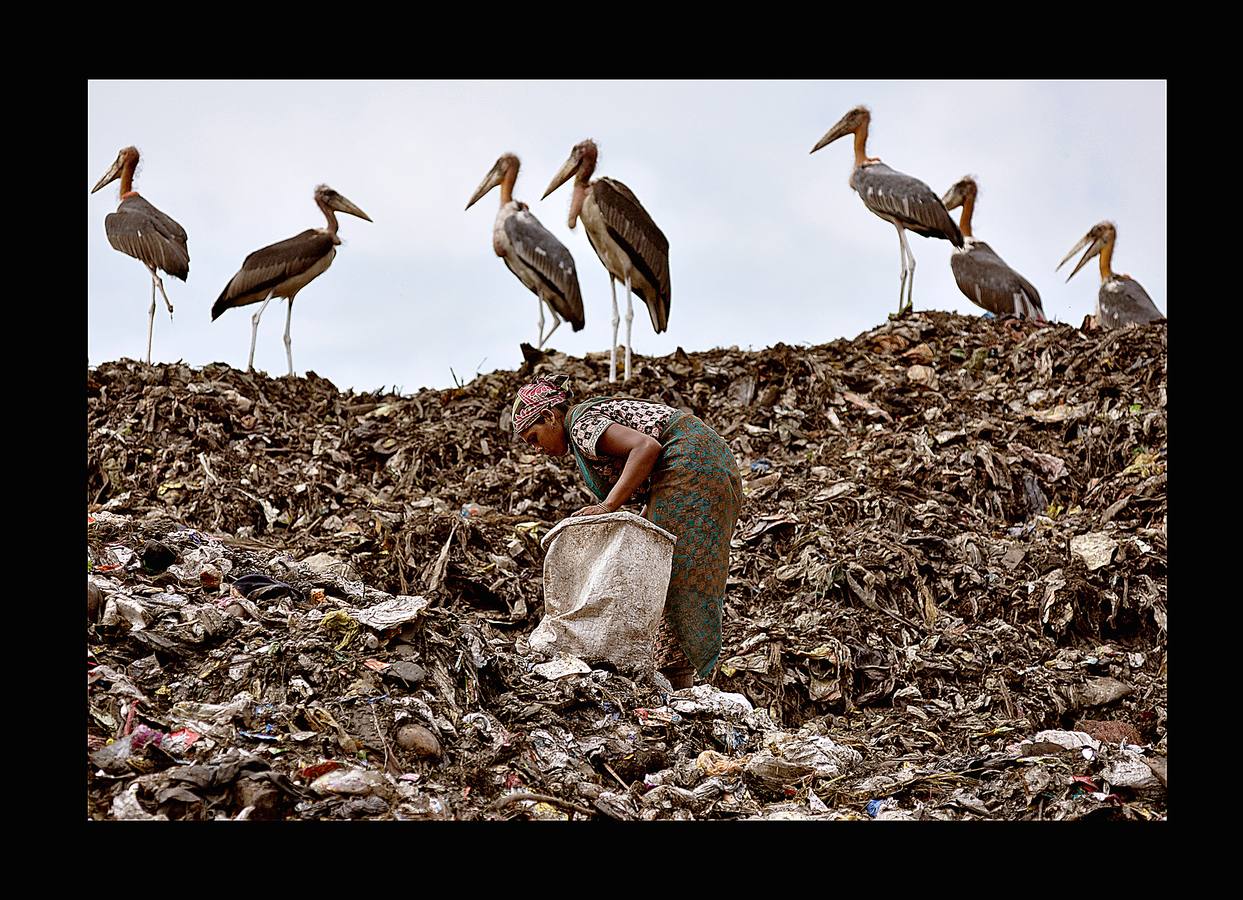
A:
696,494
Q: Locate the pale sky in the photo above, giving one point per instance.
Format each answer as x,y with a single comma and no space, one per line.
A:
768,243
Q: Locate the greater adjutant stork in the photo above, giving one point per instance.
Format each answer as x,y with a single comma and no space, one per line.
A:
530,251
982,275
904,201
625,238
140,230
284,268
1121,299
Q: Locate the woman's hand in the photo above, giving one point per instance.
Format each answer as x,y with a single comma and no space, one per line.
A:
596,509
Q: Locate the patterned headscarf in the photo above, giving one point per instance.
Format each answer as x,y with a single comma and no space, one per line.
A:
543,393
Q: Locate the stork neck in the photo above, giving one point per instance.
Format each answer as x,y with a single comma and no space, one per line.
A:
1106,257
507,184
861,140
964,223
127,176
576,201
331,216
588,166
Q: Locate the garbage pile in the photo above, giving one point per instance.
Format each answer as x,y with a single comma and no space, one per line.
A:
947,595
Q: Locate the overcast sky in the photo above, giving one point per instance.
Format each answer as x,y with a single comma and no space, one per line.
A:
767,242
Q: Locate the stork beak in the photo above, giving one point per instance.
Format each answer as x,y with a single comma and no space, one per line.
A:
340,204
111,175
1094,249
841,129
953,198
492,179
571,165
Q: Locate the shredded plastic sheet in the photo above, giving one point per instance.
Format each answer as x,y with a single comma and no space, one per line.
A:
391,613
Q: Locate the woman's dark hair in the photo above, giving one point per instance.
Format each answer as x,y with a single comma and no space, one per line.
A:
563,384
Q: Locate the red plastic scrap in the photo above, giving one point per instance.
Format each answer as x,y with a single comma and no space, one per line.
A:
310,773
1086,782
185,737
129,718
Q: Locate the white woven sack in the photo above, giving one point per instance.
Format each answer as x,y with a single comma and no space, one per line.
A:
605,582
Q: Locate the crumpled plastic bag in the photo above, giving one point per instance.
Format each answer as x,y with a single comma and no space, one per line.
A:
788,758
605,582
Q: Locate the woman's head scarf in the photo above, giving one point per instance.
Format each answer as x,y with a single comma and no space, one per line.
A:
545,392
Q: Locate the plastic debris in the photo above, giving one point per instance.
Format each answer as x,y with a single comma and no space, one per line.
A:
1095,549
562,665
392,613
349,782
902,583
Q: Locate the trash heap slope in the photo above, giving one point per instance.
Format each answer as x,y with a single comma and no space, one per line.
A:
953,537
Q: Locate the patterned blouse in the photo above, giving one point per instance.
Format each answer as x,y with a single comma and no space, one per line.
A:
641,415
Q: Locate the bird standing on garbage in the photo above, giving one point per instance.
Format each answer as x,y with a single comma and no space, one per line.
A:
530,251
625,238
140,230
982,275
1121,299
284,268
903,201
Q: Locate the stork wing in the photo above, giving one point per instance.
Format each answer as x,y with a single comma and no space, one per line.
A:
167,224
989,283
1127,303
1033,297
633,229
905,200
265,269
140,230
549,259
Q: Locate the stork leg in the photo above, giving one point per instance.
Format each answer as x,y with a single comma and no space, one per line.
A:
629,320
540,300
902,257
254,332
160,282
616,320
556,322
288,342
156,281
910,269
151,321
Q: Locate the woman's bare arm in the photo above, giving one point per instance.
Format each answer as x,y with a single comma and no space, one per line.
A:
640,453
